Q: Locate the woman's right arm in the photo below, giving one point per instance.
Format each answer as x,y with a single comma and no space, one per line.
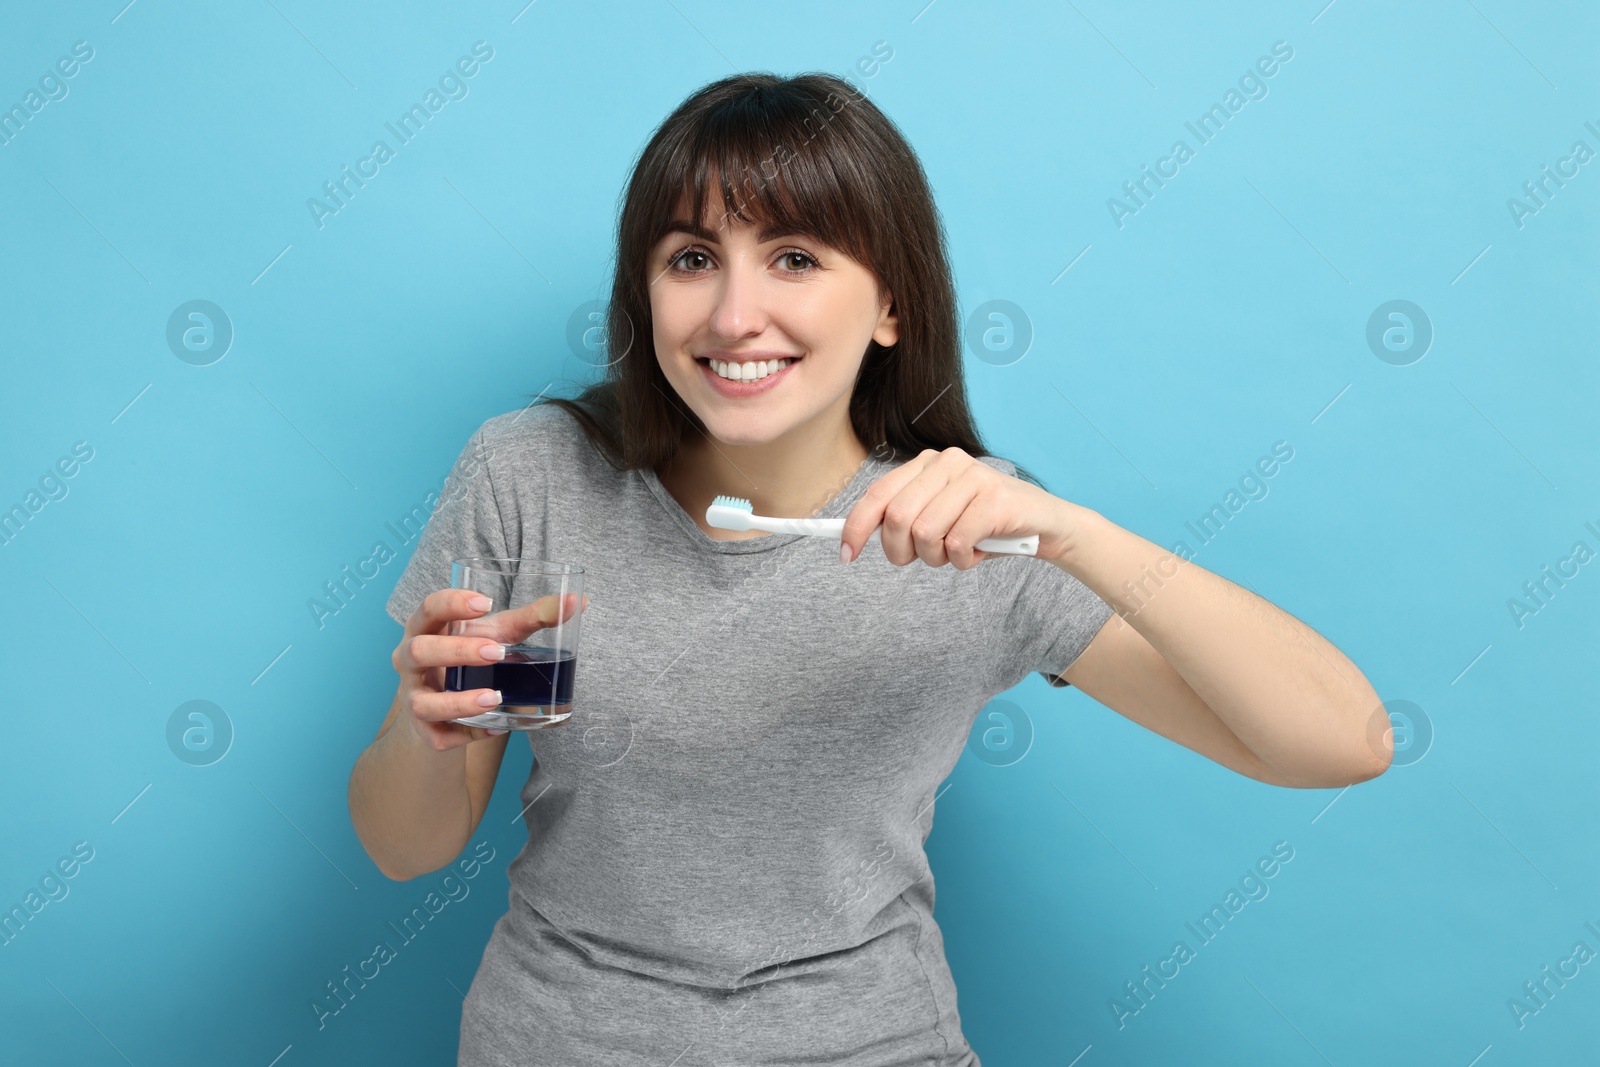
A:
418,791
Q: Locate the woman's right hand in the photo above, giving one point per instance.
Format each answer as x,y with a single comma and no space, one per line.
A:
428,647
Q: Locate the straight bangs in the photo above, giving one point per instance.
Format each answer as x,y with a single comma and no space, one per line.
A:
770,159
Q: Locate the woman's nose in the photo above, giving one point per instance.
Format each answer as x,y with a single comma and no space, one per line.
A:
739,310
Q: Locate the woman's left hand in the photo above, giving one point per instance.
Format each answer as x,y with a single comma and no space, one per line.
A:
937,506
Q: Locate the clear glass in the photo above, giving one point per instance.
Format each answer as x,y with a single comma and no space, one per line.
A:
536,612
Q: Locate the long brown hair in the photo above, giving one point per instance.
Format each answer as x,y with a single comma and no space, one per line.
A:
811,156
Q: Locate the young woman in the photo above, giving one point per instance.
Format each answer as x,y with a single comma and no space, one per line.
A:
725,855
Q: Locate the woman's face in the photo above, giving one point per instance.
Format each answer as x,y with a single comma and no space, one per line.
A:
733,294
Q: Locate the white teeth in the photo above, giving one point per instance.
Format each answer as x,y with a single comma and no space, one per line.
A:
749,371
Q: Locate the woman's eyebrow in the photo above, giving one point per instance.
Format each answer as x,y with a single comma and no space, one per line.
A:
694,229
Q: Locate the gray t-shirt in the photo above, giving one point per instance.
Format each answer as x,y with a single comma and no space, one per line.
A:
725,842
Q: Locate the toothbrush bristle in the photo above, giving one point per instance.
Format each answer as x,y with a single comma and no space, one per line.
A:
733,502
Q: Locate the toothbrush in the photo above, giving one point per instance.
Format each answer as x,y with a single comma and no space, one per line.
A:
734,513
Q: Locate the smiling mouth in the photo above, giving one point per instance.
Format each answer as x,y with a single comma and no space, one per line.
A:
748,370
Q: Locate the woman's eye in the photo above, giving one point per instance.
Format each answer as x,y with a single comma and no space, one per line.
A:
681,259
790,257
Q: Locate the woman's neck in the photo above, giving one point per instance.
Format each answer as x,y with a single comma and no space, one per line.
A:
777,478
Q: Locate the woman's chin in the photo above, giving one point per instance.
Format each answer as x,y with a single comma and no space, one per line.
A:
742,435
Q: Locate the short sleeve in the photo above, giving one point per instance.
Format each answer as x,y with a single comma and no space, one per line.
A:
463,520
1046,618
1043,617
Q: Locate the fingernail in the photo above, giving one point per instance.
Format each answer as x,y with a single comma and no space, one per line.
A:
844,552
480,603
493,732
492,651
491,699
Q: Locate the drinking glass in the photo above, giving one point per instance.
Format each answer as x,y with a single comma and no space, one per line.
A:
536,610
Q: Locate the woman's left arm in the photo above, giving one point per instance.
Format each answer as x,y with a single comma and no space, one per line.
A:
1194,657
1289,696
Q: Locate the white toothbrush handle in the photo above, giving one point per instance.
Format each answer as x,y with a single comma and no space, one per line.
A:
1011,546
999,546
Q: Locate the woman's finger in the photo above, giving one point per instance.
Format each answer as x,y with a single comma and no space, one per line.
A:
444,606
866,514
433,706
436,650
934,531
907,535
514,625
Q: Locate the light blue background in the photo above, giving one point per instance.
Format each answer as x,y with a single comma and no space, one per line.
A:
1228,314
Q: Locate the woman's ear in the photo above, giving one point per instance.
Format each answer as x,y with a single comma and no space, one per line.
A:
887,332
